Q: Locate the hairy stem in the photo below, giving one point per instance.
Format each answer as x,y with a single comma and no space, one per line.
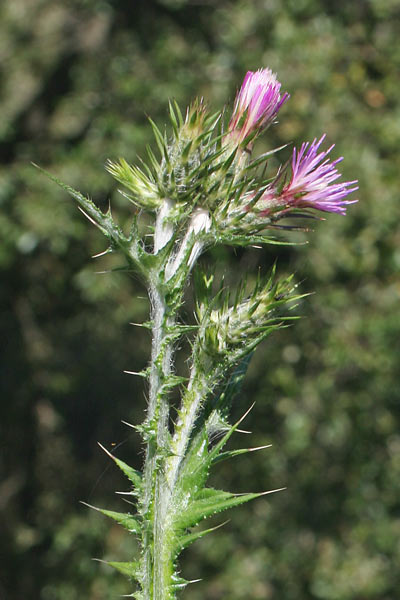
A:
154,509
158,491
197,391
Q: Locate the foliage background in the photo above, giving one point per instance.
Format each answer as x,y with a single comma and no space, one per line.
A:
77,81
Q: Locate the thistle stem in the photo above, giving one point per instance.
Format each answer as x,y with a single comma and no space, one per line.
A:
196,393
157,563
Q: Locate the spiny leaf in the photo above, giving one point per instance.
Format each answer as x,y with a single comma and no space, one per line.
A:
91,211
178,112
195,468
173,118
120,269
154,162
261,159
144,373
185,540
224,401
218,447
178,583
126,568
252,240
203,169
173,381
103,221
124,519
186,150
145,324
161,143
210,502
133,475
232,453
225,165
180,329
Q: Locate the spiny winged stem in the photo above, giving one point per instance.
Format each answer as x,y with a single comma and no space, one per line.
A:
157,417
158,413
204,190
158,561
197,390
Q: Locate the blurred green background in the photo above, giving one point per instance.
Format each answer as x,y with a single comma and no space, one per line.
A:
77,81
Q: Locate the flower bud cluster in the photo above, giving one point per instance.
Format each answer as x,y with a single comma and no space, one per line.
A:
143,191
206,173
229,328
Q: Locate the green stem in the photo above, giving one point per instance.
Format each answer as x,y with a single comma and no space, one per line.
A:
158,560
155,583
193,399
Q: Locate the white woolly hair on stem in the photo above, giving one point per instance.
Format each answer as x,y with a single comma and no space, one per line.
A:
199,223
164,229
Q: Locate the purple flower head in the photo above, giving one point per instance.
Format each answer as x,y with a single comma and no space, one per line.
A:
312,182
256,104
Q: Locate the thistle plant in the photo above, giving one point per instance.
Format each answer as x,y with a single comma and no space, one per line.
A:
204,189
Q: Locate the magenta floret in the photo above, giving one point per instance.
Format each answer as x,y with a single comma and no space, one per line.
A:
257,103
312,182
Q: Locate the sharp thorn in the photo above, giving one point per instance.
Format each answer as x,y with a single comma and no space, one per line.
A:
88,217
102,253
273,491
88,505
246,413
100,561
128,502
134,373
261,493
130,425
106,451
